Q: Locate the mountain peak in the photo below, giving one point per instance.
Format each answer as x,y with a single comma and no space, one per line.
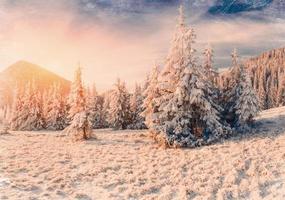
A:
23,71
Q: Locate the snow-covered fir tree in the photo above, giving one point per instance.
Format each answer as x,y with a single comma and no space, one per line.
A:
210,72
56,117
186,115
17,106
106,98
119,111
151,93
211,76
47,101
281,92
95,108
136,107
261,94
80,125
246,105
228,90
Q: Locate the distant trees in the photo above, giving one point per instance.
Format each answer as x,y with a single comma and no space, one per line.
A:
56,114
95,107
119,110
136,108
266,74
27,112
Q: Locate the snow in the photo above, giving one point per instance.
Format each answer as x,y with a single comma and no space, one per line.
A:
129,165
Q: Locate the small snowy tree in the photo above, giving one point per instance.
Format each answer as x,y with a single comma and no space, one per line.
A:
228,93
261,94
210,72
246,105
95,108
56,118
281,92
136,106
47,101
151,93
80,126
106,98
119,111
16,111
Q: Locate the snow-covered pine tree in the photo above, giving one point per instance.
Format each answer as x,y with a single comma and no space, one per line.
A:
56,118
210,72
211,76
106,97
185,115
47,100
95,108
151,93
136,101
246,105
261,94
80,125
281,92
119,111
17,106
228,93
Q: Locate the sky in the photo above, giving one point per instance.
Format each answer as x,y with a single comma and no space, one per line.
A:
126,38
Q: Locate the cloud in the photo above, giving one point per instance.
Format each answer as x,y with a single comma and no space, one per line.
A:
237,6
120,38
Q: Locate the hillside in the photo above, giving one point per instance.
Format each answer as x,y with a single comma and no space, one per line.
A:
267,72
129,165
22,72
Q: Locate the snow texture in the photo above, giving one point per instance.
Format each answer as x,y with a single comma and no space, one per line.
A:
128,165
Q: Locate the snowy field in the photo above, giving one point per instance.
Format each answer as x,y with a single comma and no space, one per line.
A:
129,165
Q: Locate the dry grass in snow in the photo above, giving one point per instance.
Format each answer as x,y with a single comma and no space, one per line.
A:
128,165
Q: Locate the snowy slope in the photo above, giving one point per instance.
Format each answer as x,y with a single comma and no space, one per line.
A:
22,72
129,165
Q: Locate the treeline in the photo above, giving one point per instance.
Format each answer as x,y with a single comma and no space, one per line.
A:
267,73
33,109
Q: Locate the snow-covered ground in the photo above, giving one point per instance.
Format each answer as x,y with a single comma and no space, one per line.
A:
129,165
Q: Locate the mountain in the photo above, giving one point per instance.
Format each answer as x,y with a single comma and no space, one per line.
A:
267,73
22,72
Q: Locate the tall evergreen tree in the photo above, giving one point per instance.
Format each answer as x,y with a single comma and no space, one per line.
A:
17,106
281,92
119,111
186,114
151,93
80,125
228,96
208,64
261,94
246,105
95,108
136,108
56,118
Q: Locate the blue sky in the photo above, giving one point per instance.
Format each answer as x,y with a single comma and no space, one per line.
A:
124,38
